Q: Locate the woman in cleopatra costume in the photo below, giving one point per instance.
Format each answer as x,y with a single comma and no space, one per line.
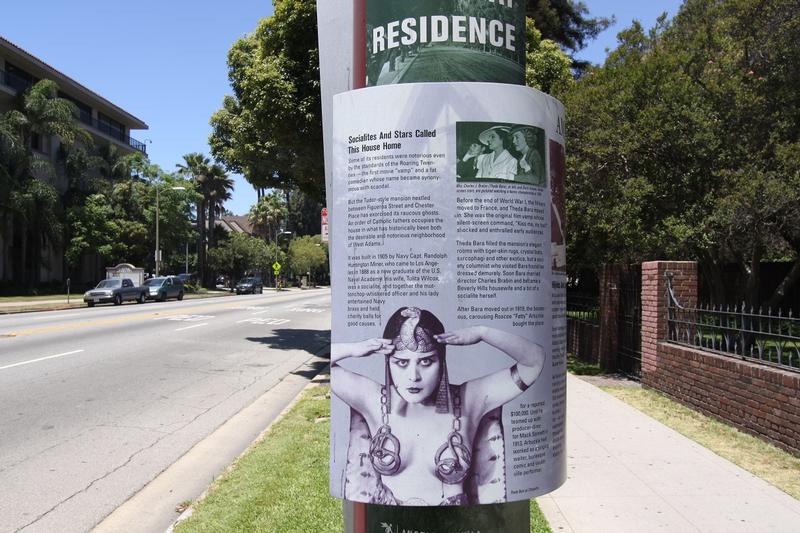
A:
421,427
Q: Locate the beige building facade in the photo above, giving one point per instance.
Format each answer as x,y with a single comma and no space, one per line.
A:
106,122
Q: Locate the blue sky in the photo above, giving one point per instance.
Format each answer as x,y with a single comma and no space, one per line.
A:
164,61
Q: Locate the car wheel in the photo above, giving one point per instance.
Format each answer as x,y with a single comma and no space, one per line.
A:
118,299
141,298
90,304
261,290
180,296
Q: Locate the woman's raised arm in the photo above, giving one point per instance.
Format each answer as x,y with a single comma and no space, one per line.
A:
500,387
355,390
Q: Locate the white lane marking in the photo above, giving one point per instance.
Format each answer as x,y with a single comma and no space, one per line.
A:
40,359
265,321
55,316
306,310
190,327
261,312
185,318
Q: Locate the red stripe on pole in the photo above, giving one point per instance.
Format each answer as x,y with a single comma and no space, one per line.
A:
359,517
359,43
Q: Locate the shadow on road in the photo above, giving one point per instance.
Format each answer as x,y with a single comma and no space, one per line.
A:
311,370
310,340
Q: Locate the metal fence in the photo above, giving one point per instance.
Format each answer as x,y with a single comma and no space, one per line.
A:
583,307
765,337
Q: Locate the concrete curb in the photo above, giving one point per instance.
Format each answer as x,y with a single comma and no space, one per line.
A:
183,478
316,381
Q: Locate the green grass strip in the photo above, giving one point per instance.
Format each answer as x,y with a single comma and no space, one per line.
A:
758,457
281,484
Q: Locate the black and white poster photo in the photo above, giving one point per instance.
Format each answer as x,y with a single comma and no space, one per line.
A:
415,438
500,152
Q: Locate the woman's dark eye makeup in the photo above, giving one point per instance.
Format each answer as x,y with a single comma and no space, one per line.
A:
402,363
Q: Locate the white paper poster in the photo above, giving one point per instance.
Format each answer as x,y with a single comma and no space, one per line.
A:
448,361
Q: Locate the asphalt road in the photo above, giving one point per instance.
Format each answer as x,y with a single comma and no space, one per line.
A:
97,402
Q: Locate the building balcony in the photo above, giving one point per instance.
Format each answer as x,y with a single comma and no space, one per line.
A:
18,84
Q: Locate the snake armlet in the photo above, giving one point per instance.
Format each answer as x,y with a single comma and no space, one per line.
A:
453,460
384,452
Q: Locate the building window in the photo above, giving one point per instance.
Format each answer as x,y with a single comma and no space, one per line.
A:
84,111
40,143
18,78
111,127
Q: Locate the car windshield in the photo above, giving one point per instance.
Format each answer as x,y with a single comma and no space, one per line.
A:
247,280
154,282
109,284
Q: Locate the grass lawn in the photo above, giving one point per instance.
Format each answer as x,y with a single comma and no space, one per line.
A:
281,484
768,462
582,368
12,299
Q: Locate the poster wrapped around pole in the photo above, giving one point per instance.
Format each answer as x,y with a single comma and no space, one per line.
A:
448,337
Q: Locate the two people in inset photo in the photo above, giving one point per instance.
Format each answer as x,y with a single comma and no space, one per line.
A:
491,156
417,437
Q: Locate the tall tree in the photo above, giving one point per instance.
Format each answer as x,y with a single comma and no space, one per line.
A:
685,143
270,128
217,187
565,22
268,215
197,167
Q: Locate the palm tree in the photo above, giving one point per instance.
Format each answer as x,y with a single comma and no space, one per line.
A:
218,187
28,201
267,213
214,186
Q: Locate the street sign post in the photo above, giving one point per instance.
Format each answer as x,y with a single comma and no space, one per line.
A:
276,270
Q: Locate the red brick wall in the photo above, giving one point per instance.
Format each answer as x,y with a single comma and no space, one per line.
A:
758,399
654,303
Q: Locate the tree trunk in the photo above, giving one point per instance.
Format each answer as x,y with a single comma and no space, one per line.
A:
201,240
208,279
785,285
715,281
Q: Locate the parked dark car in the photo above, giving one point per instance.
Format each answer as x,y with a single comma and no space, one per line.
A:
249,286
187,278
114,290
164,287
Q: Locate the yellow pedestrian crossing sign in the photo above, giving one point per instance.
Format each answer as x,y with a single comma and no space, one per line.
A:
276,267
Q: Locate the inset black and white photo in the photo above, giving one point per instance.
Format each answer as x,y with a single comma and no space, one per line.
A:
416,438
500,152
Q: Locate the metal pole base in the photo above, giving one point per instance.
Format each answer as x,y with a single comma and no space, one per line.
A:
495,518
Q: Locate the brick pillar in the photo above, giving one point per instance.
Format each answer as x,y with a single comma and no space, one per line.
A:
609,317
654,305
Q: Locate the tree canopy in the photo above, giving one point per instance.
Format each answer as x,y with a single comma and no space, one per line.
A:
270,129
684,144
565,22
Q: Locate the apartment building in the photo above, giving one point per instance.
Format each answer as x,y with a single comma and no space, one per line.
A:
107,123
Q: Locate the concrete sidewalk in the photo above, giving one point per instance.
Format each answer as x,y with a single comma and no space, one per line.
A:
630,473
